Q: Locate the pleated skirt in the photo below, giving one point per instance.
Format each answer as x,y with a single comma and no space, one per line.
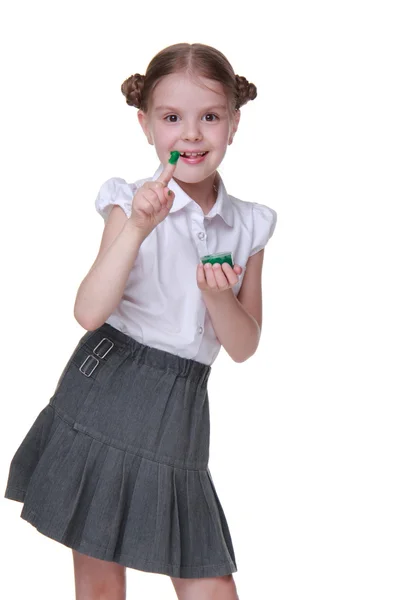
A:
115,466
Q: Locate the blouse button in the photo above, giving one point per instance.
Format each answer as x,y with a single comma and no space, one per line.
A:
201,235
200,329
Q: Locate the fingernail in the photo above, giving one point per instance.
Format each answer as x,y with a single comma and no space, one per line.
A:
169,193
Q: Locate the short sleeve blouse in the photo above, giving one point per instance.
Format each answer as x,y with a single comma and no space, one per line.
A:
162,305
264,222
115,192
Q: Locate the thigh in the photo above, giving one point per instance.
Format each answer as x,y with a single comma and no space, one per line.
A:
95,578
206,588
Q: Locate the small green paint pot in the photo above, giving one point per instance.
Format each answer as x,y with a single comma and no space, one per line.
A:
220,258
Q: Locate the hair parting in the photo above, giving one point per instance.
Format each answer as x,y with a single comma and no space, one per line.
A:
195,60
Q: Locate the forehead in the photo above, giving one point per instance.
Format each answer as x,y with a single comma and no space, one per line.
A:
178,89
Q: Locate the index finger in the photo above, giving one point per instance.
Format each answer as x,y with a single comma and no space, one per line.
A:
166,175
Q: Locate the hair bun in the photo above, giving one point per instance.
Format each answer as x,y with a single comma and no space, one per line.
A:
132,90
245,91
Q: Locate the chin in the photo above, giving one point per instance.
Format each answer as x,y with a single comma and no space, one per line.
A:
193,179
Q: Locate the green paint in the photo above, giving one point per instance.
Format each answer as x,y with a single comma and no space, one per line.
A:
174,157
220,258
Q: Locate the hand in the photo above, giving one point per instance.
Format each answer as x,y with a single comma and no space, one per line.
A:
216,277
153,201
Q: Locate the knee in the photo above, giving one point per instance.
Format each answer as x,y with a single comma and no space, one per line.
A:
97,579
212,588
103,590
224,588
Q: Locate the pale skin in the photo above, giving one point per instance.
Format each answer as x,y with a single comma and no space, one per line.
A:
97,579
178,119
181,127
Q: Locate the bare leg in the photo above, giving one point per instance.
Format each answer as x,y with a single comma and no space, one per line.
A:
97,579
207,588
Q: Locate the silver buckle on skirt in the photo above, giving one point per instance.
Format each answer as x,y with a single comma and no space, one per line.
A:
103,346
92,362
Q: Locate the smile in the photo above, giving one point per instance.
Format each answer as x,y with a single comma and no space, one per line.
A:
193,154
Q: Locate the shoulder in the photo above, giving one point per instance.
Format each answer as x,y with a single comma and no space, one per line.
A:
254,214
116,191
258,220
251,210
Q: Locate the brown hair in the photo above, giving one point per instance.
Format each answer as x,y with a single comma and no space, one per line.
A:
195,59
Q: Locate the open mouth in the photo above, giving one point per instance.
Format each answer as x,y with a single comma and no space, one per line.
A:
193,154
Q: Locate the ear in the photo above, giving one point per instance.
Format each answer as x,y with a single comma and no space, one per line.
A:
144,123
236,119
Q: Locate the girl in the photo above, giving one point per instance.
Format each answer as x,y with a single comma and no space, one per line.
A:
115,466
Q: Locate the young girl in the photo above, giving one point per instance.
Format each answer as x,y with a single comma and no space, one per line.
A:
115,466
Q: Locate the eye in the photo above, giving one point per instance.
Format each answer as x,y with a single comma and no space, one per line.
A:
211,115
168,116
174,118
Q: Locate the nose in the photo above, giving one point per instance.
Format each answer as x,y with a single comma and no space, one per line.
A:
192,131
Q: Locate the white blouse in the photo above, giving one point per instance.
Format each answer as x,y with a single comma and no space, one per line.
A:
162,305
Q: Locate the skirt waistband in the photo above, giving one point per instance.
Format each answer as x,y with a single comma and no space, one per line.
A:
106,337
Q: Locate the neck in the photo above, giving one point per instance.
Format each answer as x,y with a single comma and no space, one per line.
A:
204,193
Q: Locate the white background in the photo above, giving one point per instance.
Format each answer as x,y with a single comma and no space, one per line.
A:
304,435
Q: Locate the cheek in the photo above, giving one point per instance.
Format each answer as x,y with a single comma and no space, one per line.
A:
223,134
164,136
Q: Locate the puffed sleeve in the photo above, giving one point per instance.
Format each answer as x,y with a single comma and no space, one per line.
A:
264,222
115,192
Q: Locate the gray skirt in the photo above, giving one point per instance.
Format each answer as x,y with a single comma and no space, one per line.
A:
116,464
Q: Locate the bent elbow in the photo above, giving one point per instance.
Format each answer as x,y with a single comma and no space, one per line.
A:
244,357
85,322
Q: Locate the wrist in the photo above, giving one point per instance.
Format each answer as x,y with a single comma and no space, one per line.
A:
137,234
215,296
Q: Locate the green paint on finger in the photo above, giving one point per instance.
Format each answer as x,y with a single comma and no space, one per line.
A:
174,157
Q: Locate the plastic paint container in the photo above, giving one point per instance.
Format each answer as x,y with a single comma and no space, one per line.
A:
220,258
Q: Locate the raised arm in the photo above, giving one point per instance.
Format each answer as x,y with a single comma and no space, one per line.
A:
102,288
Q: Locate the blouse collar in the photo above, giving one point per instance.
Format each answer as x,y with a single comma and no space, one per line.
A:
222,206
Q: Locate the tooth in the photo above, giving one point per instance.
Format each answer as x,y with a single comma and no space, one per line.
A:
192,154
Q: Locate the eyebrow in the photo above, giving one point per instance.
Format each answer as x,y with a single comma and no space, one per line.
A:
172,109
